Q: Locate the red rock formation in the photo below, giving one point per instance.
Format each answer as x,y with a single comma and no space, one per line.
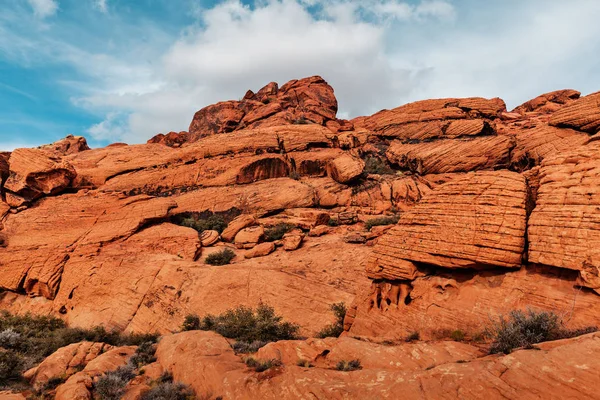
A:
582,114
548,102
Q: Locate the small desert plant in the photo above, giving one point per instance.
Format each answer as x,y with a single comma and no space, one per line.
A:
191,322
294,175
248,347
304,364
374,165
413,336
524,329
213,222
143,355
169,391
222,257
9,338
333,222
111,385
344,365
248,325
335,329
11,365
457,335
390,220
53,383
276,232
260,365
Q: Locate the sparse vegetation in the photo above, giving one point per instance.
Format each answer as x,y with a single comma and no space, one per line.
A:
375,165
457,335
169,391
221,257
260,365
335,329
213,222
26,340
524,329
413,336
294,175
333,222
344,365
304,364
388,220
252,329
111,385
143,355
276,232
248,347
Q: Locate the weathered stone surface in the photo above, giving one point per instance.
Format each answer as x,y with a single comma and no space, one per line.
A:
436,370
533,145
472,221
79,385
452,155
354,237
237,225
305,101
65,362
582,114
171,139
260,250
208,238
69,145
345,168
319,231
249,237
34,260
292,239
34,173
563,227
548,102
467,300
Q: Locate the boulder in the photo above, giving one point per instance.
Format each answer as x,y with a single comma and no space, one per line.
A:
319,231
582,114
347,218
209,237
34,173
548,102
236,225
354,237
249,237
292,240
69,145
345,168
260,250
452,155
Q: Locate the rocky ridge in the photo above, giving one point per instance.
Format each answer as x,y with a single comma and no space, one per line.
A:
496,211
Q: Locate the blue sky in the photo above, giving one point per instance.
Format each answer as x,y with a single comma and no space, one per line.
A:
124,70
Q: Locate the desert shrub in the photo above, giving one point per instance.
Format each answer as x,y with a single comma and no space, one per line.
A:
390,220
9,338
295,175
213,222
143,355
301,121
261,365
169,391
222,257
525,328
248,347
413,336
11,365
457,335
53,383
111,385
344,365
276,232
333,222
191,322
335,329
248,325
374,165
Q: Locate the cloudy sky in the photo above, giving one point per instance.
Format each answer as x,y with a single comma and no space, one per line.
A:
124,70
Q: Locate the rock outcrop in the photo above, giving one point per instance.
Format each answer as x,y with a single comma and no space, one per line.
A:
495,211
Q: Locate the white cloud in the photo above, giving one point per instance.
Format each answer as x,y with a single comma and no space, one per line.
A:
43,8
375,53
101,5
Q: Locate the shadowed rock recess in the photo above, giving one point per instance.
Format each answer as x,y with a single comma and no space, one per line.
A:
436,216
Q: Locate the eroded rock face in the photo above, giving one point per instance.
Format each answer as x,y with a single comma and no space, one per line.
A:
582,114
548,102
